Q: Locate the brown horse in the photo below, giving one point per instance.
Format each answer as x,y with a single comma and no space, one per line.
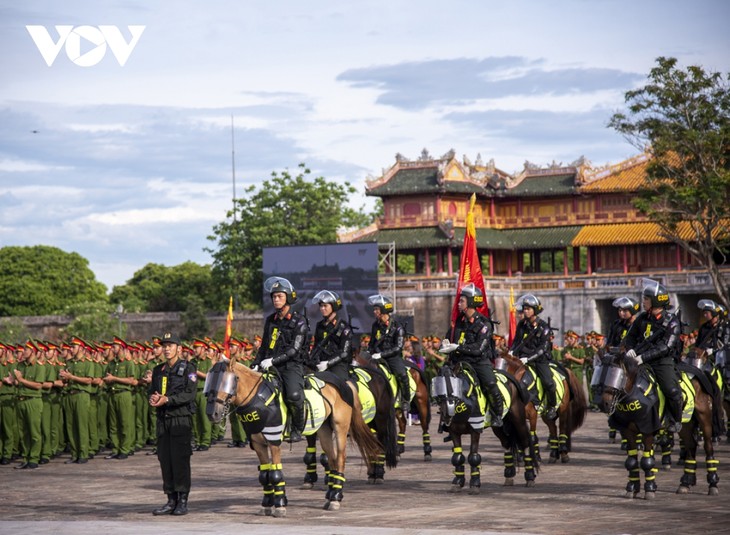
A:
422,403
571,409
635,405
258,402
458,395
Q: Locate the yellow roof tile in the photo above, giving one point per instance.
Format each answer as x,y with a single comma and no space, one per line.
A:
636,234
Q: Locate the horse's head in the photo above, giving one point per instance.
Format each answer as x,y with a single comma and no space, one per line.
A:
220,389
697,357
612,379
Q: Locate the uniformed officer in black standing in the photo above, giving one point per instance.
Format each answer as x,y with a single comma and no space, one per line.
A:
284,346
172,391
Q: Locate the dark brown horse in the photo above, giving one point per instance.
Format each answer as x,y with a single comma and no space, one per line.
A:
634,403
463,412
422,404
572,407
331,416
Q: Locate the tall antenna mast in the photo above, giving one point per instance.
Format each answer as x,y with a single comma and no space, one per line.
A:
233,168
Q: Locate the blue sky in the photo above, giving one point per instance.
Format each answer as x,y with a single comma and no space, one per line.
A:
131,164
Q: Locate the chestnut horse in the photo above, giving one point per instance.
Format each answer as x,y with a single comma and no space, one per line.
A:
258,402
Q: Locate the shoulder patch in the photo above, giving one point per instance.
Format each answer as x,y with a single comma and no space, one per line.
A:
193,377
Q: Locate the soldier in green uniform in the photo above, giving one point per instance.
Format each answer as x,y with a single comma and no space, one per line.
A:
78,376
202,430
120,378
98,363
154,358
8,418
139,396
29,379
573,355
46,393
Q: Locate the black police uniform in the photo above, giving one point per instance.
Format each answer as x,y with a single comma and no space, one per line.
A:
617,332
175,424
388,340
536,346
284,341
474,338
656,339
333,344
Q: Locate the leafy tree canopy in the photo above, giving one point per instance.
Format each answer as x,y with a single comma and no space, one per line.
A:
285,210
42,280
682,119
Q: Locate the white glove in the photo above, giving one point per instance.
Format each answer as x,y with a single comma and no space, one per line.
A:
376,356
524,360
448,347
631,354
639,360
708,351
322,366
510,353
267,363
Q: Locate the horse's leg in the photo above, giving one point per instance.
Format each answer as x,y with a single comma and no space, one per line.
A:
267,478
475,461
687,439
334,444
457,460
310,460
277,483
552,439
665,440
422,403
648,466
632,464
401,418
564,423
531,412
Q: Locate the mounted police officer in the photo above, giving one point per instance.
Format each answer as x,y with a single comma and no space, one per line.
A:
332,348
471,342
172,392
627,309
711,332
535,347
387,338
283,346
654,340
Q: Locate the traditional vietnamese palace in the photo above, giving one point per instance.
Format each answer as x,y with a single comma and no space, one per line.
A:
567,233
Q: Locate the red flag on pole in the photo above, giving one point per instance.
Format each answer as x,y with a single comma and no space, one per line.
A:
512,317
229,322
470,269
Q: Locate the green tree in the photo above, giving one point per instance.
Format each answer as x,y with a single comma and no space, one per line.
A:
40,280
682,118
285,210
93,321
194,319
13,331
158,288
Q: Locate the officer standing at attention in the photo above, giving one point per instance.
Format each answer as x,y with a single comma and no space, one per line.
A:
120,379
283,346
654,340
172,393
332,349
535,347
387,338
471,342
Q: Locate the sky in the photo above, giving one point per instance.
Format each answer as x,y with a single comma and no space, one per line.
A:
122,149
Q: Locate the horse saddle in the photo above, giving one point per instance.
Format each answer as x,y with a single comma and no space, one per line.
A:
533,384
395,386
362,378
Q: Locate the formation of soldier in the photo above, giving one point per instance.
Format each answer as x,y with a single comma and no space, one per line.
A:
86,398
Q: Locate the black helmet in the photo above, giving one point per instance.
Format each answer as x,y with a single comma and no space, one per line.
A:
723,310
627,303
710,306
385,304
656,292
529,300
328,296
474,296
274,285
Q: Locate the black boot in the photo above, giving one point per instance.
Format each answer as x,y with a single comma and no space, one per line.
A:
297,424
169,507
495,399
182,504
405,392
552,412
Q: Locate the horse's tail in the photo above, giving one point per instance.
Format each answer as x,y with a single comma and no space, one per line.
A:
367,443
578,403
390,435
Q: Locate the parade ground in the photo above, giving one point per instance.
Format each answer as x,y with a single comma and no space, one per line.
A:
584,496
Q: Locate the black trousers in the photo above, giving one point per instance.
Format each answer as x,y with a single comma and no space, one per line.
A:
174,436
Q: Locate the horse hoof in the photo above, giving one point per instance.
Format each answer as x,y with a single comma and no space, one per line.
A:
552,460
509,482
682,490
427,458
265,511
306,486
666,467
474,491
371,481
565,459
530,483
649,496
379,481
714,491
455,489
332,506
279,512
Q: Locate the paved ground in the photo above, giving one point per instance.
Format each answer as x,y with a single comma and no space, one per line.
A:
584,496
